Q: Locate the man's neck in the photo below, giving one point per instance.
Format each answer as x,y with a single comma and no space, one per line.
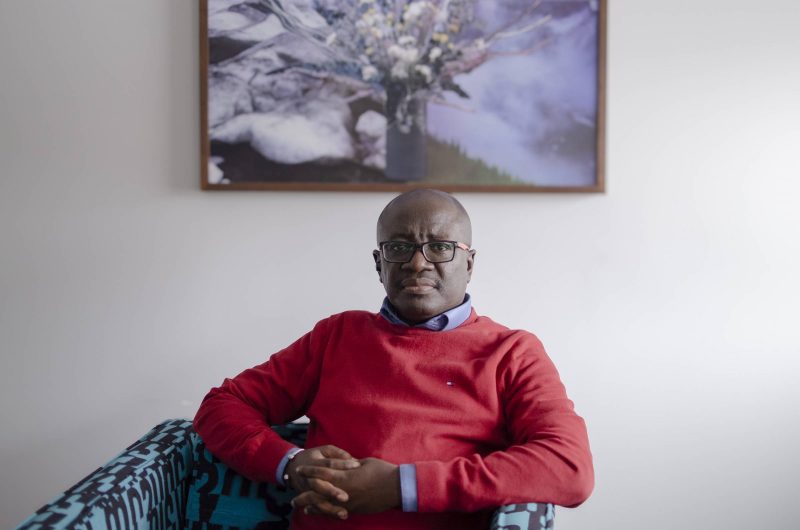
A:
450,319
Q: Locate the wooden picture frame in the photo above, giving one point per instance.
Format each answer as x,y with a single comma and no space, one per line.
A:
390,95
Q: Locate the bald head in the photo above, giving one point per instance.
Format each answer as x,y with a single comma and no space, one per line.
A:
424,205
420,289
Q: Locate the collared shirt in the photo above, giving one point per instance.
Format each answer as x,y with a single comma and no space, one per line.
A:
446,321
450,319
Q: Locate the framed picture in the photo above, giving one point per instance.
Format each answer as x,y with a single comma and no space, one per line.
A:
459,95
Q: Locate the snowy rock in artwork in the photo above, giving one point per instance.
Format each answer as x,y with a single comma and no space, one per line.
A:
215,6
229,96
234,19
270,28
305,13
267,71
319,135
371,131
226,21
376,160
294,49
372,125
215,174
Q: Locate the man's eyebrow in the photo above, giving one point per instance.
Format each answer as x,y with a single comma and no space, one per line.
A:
407,237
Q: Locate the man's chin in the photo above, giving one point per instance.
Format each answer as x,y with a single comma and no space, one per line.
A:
418,307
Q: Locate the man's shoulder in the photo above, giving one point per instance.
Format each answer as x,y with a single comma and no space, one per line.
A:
354,316
489,323
484,324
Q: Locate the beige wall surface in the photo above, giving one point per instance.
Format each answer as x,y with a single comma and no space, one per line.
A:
669,304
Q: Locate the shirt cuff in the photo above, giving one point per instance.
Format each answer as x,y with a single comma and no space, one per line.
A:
408,487
282,464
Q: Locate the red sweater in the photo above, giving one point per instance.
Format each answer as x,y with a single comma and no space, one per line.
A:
479,409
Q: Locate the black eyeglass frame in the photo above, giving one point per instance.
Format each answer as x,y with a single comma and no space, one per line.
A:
421,247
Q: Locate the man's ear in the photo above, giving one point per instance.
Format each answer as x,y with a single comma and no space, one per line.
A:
470,264
376,255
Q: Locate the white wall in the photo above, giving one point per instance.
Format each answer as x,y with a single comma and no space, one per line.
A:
670,304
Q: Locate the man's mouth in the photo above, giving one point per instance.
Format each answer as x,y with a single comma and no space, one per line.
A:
418,285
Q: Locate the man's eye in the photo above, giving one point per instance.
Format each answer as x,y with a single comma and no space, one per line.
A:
440,247
399,247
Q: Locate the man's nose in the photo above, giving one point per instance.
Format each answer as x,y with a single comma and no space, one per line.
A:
418,261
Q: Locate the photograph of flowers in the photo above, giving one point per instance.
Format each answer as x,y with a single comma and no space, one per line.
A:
461,95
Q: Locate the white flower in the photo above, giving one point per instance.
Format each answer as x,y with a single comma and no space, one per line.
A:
406,40
368,73
435,53
406,55
368,20
400,71
426,72
414,10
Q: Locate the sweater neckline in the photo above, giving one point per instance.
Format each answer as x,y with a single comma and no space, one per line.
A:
399,329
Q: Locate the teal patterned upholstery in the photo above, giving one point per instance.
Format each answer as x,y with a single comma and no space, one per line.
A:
221,499
145,486
168,480
524,516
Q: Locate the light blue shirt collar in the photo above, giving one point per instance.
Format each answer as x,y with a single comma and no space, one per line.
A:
446,321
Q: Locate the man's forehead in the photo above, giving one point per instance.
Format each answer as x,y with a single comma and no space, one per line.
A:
427,221
424,214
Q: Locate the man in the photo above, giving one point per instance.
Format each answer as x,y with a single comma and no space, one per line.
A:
449,414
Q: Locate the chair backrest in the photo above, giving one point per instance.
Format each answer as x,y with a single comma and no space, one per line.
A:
144,486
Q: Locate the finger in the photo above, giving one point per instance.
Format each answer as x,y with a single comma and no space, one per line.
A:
312,503
328,490
313,510
331,451
336,463
308,509
324,473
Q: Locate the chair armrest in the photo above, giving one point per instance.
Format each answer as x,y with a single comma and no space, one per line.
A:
143,487
531,516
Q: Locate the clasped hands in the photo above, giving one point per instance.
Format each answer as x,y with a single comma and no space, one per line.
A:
332,483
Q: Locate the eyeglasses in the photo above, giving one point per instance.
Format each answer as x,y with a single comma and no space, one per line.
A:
433,251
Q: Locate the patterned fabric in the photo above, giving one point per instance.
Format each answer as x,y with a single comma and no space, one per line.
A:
221,499
168,480
531,516
143,487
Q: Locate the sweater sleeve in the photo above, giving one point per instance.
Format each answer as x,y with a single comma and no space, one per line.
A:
234,419
548,459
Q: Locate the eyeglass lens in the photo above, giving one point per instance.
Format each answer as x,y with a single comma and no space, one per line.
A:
434,251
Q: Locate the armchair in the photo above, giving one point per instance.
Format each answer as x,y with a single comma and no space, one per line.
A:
168,480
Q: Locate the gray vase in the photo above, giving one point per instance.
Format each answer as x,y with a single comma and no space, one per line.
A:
406,151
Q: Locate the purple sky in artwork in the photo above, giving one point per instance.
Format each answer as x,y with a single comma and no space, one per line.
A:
532,115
